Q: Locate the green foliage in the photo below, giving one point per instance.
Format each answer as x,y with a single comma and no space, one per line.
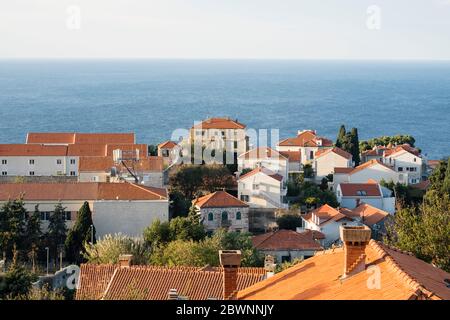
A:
287,264
80,233
33,229
193,180
405,195
12,225
340,136
179,205
152,150
245,171
308,171
349,141
385,140
57,230
109,248
16,282
309,194
289,221
206,251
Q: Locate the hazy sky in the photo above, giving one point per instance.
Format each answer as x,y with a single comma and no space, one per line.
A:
296,29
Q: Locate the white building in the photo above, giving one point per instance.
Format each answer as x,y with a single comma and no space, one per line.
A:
328,159
221,210
264,157
351,195
307,142
116,207
169,151
262,188
373,169
222,132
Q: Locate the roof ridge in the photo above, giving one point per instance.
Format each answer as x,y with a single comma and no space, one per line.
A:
147,190
402,274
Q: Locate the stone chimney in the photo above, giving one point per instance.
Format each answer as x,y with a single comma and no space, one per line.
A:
355,239
230,260
125,260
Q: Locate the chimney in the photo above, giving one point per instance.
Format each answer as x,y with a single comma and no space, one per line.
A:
230,260
125,260
173,294
355,239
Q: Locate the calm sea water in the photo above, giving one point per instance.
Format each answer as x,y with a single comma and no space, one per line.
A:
154,97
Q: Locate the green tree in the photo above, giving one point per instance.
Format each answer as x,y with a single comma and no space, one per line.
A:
16,282
12,225
33,235
83,231
289,221
355,146
308,171
187,179
179,204
152,150
57,230
340,136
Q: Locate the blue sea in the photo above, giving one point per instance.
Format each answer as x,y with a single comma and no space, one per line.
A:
154,97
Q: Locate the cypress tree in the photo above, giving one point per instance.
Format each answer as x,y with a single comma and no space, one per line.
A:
57,230
340,137
79,234
355,146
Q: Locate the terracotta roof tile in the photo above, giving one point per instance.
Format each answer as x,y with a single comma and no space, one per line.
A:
80,191
167,145
325,213
366,165
263,153
219,199
335,150
263,170
307,138
104,164
219,123
93,281
369,214
293,156
360,189
79,138
51,138
286,240
402,277
342,170
32,150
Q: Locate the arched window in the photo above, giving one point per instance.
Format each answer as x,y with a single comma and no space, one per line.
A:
224,216
210,216
238,215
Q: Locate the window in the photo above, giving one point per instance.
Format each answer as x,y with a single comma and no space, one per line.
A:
4,173
238,215
72,173
31,173
361,193
224,216
235,144
245,198
210,216
415,159
4,161
45,215
165,153
400,168
413,169
255,186
68,215
311,154
31,161
72,161
58,161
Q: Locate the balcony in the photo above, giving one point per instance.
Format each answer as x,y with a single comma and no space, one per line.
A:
225,223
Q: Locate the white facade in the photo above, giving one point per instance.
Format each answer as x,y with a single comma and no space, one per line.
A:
330,229
375,171
260,190
229,139
325,164
231,218
39,165
276,163
407,163
383,202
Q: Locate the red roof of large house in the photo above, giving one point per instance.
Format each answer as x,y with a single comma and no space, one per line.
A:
104,164
288,240
360,189
219,123
336,150
80,191
36,150
361,167
79,138
263,170
167,145
325,213
401,276
404,147
369,215
293,156
307,138
154,283
219,199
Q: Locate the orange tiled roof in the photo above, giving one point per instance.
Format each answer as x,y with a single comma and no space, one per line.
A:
306,138
369,214
167,145
266,171
342,170
293,156
80,191
404,147
402,277
93,281
32,150
287,240
143,148
154,283
219,123
335,150
263,153
86,150
219,199
361,167
351,189
326,213
104,164
423,185
79,138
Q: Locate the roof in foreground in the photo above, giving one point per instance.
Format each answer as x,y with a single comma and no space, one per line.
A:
80,191
288,240
79,138
154,283
219,199
219,123
402,277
